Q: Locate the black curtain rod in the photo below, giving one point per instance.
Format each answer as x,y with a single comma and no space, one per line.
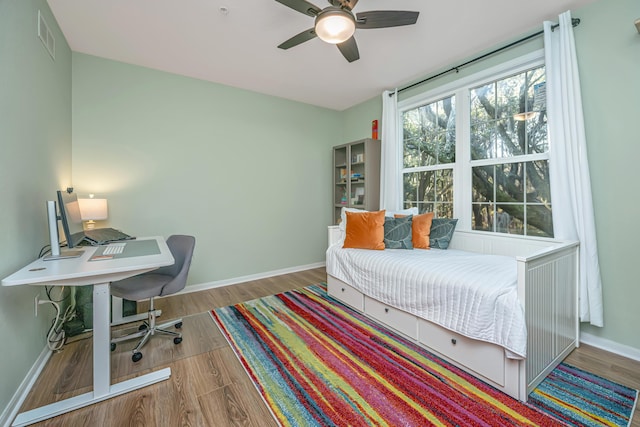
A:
574,22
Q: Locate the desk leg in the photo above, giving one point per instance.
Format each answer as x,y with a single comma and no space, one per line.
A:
101,340
102,388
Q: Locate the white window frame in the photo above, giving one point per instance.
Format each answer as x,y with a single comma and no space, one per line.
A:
462,179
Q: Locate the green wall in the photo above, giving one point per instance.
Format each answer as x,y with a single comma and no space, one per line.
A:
357,120
35,142
608,48
245,173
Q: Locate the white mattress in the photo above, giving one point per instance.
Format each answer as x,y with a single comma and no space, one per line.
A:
472,294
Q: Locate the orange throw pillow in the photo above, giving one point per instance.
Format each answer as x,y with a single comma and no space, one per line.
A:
365,230
420,230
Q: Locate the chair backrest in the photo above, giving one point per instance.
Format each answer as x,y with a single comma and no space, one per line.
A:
181,248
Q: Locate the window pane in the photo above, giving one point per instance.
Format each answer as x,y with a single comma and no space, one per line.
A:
483,140
483,103
411,187
509,219
522,198
516,123
429,134
411,151
538,188
539,222
425,207
482,217
536,133
538,198
446,147
537,89
444,186
510,96
444,210
509,178
507,143
482,183
426,186
430,191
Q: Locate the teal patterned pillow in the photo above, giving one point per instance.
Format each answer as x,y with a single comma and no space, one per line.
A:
441,232
397,233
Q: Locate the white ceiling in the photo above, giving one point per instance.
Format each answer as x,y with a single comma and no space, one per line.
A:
193,38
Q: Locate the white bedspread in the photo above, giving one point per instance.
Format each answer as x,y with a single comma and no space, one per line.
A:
472,294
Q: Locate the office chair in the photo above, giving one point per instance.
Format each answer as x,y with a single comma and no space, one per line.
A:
160,282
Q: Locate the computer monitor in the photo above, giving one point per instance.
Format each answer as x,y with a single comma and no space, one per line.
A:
70,217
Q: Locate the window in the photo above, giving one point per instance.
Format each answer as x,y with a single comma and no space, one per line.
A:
429,156
495,147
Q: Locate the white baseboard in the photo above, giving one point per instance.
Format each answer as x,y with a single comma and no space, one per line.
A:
10,412
242,279
610,346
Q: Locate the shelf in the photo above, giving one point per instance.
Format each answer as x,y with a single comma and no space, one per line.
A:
357,175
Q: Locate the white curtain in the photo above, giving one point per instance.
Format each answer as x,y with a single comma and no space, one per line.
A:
571,199
390,179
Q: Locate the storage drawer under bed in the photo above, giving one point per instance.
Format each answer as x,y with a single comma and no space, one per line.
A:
395,318
345,293
482,357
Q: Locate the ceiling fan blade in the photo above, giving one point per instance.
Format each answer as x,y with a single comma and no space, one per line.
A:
348,4
349,49
301,6
298,38
385,18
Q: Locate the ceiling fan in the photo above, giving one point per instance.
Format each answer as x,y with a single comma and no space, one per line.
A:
336,23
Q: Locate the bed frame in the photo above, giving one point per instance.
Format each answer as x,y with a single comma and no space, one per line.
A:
547,288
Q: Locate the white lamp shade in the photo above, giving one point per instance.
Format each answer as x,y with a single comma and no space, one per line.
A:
335,26
93,209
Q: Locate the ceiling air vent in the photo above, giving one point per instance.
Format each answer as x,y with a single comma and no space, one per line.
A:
46,36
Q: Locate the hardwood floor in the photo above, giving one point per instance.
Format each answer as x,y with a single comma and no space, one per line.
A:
208,386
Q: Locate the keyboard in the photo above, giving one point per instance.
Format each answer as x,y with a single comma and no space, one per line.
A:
114,249
100,236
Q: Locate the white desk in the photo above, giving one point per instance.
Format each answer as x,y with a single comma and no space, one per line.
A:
79,272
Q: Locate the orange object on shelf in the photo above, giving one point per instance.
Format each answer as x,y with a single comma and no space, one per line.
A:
374,129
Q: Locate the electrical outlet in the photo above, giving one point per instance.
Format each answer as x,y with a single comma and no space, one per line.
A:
37,303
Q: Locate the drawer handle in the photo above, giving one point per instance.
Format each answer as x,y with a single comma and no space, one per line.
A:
342,289
453,341
386,309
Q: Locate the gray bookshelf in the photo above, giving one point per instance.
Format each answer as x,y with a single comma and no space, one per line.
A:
356,176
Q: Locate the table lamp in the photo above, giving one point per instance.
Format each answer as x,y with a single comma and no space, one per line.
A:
91,210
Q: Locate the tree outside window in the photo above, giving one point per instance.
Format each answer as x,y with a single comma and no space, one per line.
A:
429,146
508,142
506,152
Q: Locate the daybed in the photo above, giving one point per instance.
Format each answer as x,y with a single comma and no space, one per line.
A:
451,321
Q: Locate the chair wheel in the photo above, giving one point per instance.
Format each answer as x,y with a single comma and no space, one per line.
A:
177,340
113,346
136,357
142,327
178,325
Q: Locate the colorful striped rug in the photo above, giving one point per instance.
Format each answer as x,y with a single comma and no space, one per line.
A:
317,362
580,398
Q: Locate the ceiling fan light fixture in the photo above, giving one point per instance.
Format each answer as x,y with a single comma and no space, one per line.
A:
335,25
